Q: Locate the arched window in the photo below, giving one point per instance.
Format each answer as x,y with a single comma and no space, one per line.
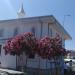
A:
50,32
0,49
1,32
15,31
33,30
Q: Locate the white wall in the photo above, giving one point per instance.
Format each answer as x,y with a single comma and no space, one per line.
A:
10,61
38,62
7,61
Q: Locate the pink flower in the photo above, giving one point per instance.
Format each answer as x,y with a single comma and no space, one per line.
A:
46,47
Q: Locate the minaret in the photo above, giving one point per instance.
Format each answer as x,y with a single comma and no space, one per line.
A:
21,12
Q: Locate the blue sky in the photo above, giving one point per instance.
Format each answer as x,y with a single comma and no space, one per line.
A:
58,8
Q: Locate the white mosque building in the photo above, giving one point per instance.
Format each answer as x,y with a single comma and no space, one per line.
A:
40,26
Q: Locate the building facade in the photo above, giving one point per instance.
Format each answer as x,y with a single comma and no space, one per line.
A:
39,26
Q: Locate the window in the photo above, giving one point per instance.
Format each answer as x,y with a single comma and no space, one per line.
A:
1,32
15,31
0,49
33,30
50,32
32,56
63,42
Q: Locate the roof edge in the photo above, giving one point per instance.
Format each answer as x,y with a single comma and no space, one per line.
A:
62,29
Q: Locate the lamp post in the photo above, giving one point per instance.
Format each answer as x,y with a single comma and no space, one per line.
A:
68,15
64,19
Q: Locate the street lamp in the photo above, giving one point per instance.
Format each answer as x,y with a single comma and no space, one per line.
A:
65,18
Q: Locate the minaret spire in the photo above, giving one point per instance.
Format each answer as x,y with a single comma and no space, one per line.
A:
21,12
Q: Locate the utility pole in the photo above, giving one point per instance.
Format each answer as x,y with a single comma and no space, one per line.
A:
64,19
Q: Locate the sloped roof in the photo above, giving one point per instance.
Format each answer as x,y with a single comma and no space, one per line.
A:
65,34
49,19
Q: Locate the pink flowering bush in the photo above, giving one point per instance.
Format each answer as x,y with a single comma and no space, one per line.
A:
50,47
46,47
31,43
21,43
